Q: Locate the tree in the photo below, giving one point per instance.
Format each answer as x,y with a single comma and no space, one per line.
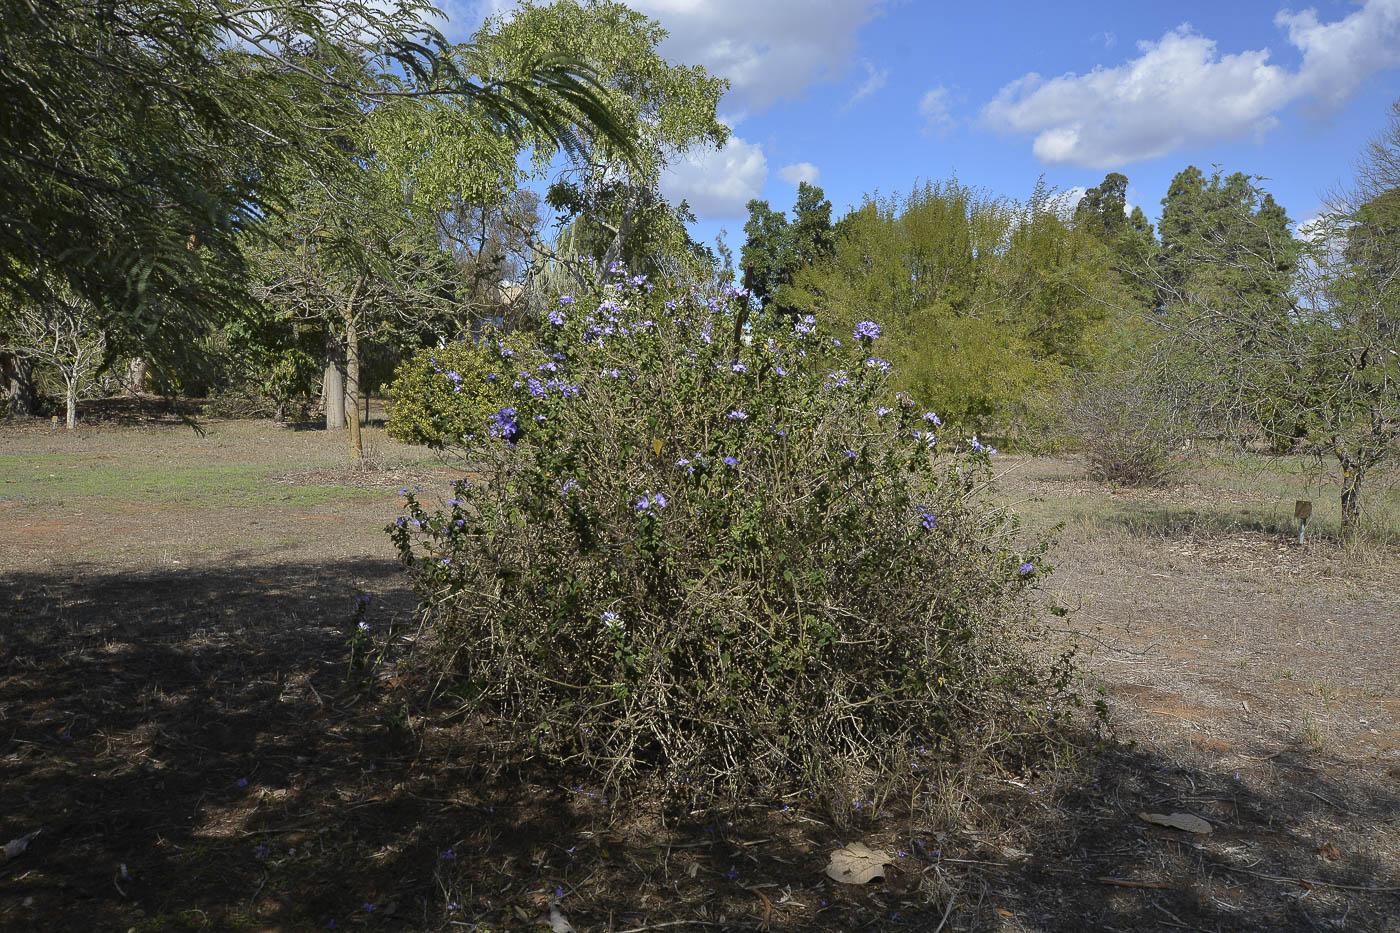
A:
65,337
1104,209
775,250
1295,338
985,301
140,140
608,203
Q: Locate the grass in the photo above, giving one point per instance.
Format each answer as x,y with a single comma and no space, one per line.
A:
54,479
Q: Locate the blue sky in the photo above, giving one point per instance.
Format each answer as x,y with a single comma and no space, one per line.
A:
864,95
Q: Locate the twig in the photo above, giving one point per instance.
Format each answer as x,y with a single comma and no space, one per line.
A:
946,911
679,923
767,908
1334,804
1312,881
1126,883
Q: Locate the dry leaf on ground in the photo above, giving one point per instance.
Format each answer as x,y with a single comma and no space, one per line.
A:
1183,821
857,863
558,923
16,846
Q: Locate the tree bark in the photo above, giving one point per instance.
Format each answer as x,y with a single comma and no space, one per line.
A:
136,377
352,373
1352,475
72,403
352,387
21,400
335,393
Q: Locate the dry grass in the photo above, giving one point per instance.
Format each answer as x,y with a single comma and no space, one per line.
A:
155,657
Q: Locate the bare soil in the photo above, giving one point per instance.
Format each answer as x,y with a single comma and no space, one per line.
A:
185,747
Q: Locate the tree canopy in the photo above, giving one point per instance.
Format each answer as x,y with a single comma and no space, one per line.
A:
141,142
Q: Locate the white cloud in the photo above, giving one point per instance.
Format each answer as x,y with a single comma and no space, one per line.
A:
770,50
874,80
799,172
718,183
1181,90
934,108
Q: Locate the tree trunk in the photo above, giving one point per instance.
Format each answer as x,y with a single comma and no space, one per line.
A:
21,400
352,387
352,373
335,393
1352,475
72,401
136,377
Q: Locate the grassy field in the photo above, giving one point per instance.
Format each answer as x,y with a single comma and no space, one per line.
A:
183,741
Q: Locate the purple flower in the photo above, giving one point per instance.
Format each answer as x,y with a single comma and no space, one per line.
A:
242,782
449,854
650,501
738,366
866,330
730,461
569,484
881,412
683,461
876,363
566,300
503,424
932,418
927,519
556,318
1026,568
613,623
737,415
850,454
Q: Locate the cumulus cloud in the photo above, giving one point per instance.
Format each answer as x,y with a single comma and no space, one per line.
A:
934,107
1182,90
717,183
770,50
799,172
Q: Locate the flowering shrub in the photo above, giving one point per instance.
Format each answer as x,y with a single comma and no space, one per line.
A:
441,394
721,556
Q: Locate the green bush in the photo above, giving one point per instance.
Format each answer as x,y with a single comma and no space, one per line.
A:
443,394
721,558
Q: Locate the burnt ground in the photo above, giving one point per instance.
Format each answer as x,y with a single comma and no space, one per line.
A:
184,744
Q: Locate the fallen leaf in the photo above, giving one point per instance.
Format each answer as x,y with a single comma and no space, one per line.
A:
1328,851
558,923
16,846
1003,912
1183,821
857,863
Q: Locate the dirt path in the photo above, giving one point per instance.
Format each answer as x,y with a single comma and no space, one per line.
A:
179,726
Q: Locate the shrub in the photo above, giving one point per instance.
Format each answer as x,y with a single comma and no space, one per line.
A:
721,557
442,394
1127,429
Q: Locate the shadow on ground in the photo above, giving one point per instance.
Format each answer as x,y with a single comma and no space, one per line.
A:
192,753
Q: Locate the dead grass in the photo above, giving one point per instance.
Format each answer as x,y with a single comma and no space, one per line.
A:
180,728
